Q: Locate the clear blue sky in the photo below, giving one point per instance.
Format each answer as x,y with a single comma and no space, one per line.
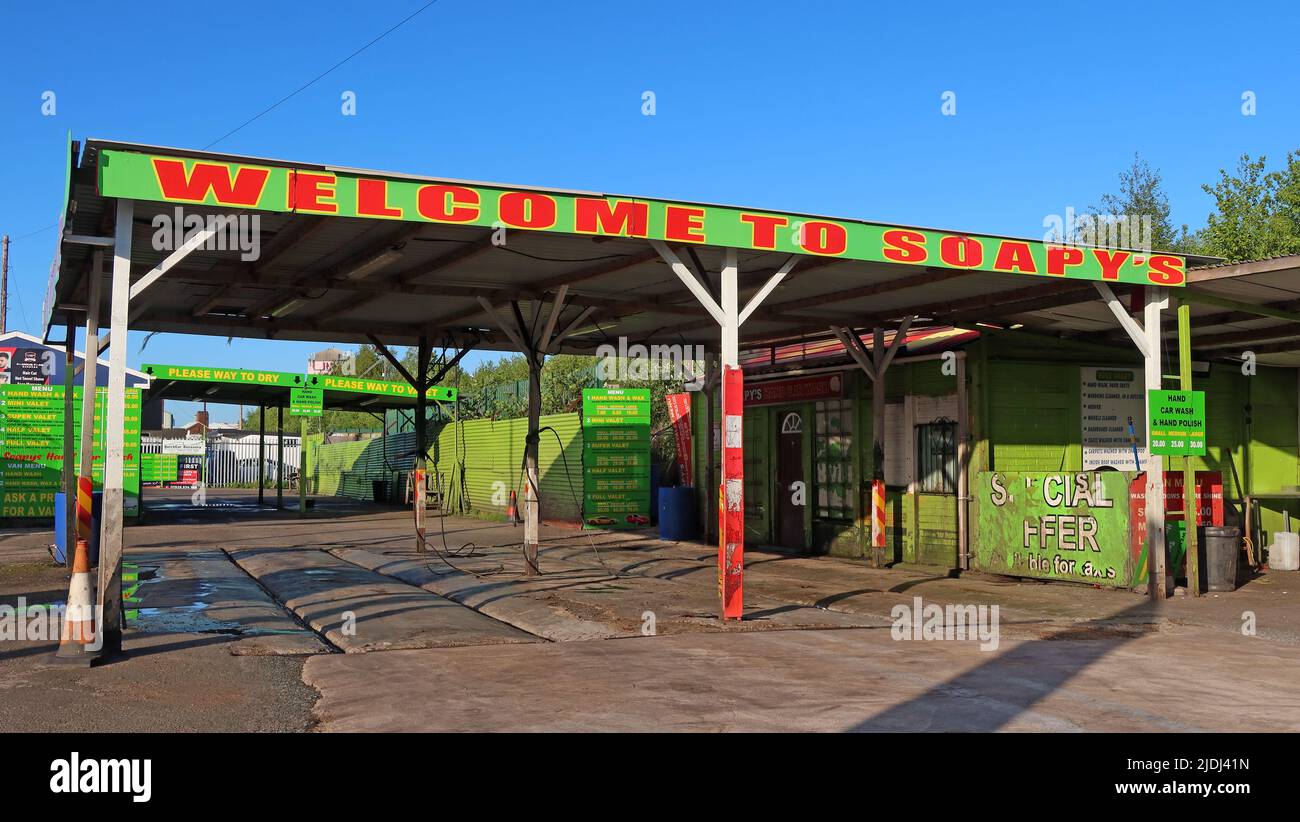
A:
829,108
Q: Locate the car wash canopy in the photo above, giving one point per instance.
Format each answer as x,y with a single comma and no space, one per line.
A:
237,185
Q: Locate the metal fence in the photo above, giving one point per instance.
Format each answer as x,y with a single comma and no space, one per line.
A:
232,462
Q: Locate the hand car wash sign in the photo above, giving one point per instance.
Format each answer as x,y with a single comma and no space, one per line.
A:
1066,526
320,190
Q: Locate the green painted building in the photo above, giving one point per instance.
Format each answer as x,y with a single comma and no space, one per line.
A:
1033,405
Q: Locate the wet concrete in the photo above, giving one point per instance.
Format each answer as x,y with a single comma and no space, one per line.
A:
202,592
358,610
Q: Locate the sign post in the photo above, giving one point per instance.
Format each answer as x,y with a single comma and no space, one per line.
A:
616,457
1177,423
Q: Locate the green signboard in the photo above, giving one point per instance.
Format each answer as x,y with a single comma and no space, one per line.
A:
616,457
31,430
1065,526
229,185
1177,423
286,379
306,402
159,468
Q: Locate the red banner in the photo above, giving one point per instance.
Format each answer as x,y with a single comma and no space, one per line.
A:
799,389
1209,507
731,497
679,414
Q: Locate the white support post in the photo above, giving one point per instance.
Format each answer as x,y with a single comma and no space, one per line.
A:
730,314
110,541
1155,499
89,380
1130,325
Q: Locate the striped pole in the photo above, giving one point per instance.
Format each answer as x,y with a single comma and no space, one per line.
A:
878,520
85,489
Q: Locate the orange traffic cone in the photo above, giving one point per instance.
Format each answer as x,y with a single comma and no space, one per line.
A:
77,639
512,511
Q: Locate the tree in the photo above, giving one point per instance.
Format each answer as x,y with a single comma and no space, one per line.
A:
1253,218
1141,195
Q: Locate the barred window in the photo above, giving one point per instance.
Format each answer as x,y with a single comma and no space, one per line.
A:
833,460
936,457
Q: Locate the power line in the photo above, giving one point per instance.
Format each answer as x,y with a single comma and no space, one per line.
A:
320,76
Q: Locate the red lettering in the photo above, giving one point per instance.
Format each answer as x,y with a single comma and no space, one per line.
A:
447,204
1110,262
1060,258
626,218
684,224
312,192
1015,256
820,237
763,234
905,246
372,199
526,209
961,252
210,178
1166,269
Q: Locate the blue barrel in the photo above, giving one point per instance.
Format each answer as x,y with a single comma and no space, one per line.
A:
61,522
678,519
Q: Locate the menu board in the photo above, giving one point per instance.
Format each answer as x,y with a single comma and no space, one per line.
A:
1111,397
31,431
616,457
178,464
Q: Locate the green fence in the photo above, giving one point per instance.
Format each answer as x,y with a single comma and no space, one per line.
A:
477,462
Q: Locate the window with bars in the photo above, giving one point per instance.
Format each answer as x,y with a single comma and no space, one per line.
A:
936,457
833,460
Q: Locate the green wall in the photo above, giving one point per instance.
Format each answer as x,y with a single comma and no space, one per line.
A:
470,458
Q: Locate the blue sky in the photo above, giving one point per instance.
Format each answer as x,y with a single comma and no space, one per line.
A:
830,108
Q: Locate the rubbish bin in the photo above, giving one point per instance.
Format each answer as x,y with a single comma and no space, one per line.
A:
60,526
379,490
1222,552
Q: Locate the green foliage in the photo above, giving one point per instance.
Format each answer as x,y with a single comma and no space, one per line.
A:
1257,212
1141,194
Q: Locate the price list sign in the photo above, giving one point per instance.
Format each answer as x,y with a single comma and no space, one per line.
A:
31,432
616,457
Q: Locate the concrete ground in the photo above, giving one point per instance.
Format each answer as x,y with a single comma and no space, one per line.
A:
248,618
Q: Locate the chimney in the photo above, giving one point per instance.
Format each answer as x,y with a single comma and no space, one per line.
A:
201,417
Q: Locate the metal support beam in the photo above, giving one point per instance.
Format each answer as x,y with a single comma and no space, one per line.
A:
69,467
1155,498
261,455
302,468
1135,331
963,465
89,380
392,360
421,386
691,282
1191,502
110,541
279,457
878,449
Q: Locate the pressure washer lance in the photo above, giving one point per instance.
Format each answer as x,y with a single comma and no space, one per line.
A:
1133,441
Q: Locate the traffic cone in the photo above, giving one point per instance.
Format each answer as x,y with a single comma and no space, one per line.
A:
77,639
512,511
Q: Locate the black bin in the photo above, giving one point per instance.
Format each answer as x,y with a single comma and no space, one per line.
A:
1222,553
379,490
